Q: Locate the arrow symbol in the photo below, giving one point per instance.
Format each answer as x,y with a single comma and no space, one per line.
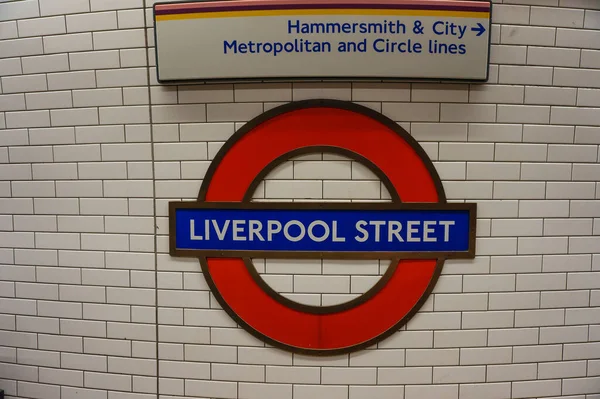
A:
480,29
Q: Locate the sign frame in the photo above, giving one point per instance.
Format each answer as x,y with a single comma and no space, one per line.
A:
291,78
174,251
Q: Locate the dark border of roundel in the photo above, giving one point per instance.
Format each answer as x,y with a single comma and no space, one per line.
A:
315,79
293,106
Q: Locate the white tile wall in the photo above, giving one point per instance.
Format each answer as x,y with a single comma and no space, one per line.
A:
92,306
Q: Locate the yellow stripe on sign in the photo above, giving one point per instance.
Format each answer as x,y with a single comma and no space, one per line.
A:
269,13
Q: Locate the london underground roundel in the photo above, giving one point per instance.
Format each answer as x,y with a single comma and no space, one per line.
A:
416,232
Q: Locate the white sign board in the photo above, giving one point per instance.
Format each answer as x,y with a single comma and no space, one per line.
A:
348,39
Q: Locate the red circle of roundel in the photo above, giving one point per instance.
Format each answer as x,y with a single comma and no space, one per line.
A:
310,124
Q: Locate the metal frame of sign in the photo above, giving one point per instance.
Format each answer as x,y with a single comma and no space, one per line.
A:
174,251
310,79
367,300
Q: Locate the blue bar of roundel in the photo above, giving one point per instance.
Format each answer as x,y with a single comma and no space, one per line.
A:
346,221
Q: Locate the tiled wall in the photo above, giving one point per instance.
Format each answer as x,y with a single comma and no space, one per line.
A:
323,178
92,149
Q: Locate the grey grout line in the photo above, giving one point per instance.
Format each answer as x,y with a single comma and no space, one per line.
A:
152,156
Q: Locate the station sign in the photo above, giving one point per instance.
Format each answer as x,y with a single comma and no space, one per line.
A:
375,231
311,39
416,231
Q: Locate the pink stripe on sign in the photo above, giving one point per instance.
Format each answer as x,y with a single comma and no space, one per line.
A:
484,5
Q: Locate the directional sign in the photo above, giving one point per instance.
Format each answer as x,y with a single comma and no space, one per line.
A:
346,39
417,231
